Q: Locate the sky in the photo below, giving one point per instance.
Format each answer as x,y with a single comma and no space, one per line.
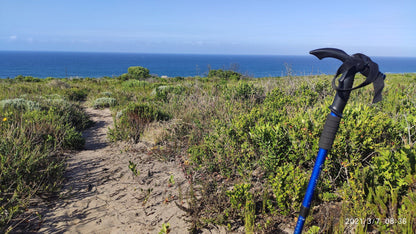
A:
376,28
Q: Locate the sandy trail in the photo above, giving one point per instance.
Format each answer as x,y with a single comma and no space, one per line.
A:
101,195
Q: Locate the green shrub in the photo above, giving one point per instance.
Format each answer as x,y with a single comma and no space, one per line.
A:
58,83
288,185
238,195
134,119
73,139
178,78
104,102
162,92
242,201
135,84
27,78
30,151
272,143
106,94
243,91
124,77
137,73
69,112
224,74
76,94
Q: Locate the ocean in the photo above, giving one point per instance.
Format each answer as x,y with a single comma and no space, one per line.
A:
86,64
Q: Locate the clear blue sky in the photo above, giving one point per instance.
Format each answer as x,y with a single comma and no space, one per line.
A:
383,28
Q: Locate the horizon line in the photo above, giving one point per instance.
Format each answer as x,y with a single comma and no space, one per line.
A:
170,53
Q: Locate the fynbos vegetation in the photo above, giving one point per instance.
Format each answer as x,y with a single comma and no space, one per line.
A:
247,146
34,134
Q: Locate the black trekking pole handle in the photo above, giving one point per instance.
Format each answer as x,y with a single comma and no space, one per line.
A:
351,65
334,118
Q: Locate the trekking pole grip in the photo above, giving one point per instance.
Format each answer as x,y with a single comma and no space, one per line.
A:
330,129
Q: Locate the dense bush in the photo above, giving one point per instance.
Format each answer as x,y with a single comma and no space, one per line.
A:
30,149
55,83
244,91
162,92
136,84
224,74
76,94
136,73
104,102
132,121
27,78
70,113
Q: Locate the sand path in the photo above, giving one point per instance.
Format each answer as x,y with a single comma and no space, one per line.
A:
101,195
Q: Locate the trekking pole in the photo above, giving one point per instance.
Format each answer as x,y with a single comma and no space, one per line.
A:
350,66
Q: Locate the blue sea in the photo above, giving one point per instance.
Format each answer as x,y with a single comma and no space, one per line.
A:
85,64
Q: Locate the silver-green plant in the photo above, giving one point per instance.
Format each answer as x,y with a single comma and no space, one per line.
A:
104,102
106,94
19,104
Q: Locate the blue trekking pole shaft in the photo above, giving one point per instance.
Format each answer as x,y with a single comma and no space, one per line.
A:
351,65
325,144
